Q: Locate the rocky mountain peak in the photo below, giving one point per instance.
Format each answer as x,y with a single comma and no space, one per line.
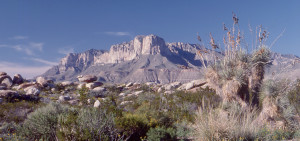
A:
150,44
140,45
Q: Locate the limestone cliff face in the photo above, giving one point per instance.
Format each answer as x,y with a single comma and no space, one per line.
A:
78,61
141,45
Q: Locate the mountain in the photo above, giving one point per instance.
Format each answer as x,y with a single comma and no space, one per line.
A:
146,59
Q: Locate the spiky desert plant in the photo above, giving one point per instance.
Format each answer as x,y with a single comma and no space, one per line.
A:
239,74
276,107
259,59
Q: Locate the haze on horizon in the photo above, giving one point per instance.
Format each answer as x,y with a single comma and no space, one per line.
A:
35,35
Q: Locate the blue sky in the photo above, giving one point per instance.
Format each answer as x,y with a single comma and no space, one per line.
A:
35,34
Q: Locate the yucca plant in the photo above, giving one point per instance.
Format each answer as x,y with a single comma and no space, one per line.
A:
238,75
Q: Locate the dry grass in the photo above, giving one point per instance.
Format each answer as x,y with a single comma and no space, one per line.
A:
232,124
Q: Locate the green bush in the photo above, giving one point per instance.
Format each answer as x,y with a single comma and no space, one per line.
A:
161,134
42,123
133,126
95,124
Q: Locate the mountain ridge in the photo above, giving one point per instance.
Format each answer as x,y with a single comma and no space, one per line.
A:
143,59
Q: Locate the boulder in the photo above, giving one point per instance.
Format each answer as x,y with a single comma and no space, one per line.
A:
32,91
126,103
150,83
18,79
80,86
25,85
42,81
129,84
87,78
172,86
74,101
169,92
6,80
159,90
93,85
192,84
199,82
189,86
122,94
64,98
8,93
97,104
99,89
3,73
67,83
138,92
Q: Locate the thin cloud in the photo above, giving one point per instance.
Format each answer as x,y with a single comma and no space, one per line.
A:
44,61
25,71
29,49
38,46
66,51
118,33
21,48
19,37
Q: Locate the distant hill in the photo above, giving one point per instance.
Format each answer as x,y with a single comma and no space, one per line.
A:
150,59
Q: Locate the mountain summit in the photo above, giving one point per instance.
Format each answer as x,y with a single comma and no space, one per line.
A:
143,59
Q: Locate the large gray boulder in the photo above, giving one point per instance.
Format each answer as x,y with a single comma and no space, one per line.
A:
94,85
99,89
172,86
87,78
26,84
42,81
6,80
67,83
18,79
32,91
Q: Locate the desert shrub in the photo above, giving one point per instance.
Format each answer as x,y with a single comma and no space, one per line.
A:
95,124
133,126
16,111
161,133
8,132
277,134
42,123
218,124
67,125
8,128
83,95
